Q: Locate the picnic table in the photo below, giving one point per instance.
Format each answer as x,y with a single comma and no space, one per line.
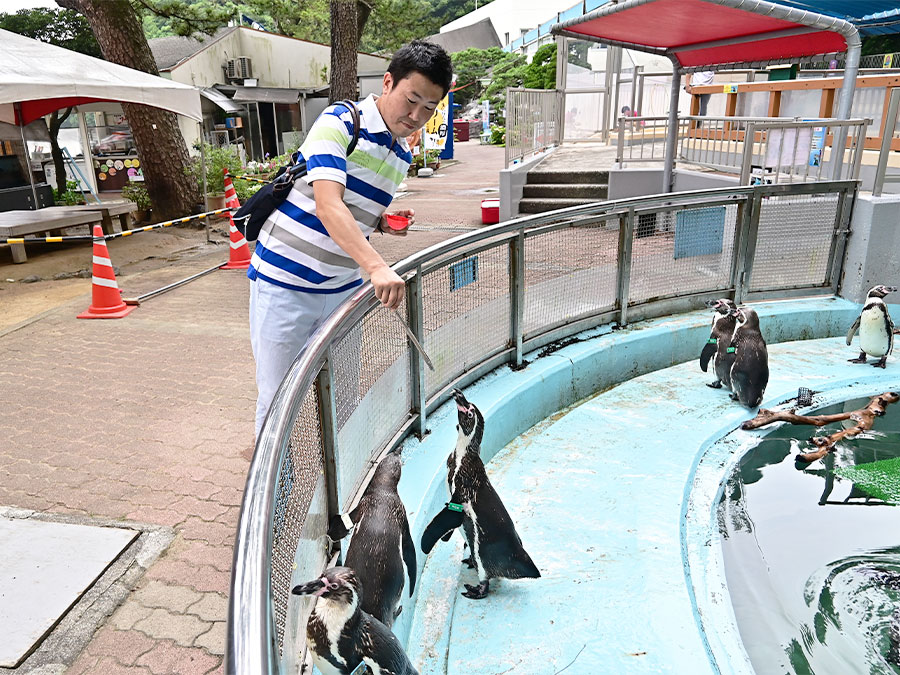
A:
120,209
51,220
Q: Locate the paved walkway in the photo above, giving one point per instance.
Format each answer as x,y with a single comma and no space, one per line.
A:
149,420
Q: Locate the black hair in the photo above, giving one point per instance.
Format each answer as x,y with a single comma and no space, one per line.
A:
423,57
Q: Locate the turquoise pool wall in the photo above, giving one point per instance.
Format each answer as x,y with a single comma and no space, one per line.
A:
514,401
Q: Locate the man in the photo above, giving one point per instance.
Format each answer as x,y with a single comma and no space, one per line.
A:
699,79
309,253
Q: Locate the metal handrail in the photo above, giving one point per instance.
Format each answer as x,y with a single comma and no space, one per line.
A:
252,645
890,123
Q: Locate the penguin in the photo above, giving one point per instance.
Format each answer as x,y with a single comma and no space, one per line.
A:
489,531
381,546
876,331
719,340
750,370
341,636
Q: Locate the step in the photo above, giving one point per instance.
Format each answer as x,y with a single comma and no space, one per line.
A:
568,190
568,176
542,204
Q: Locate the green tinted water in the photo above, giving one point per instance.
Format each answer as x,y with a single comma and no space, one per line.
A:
812,552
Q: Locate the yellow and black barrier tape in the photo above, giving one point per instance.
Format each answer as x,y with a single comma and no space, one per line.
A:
250,179
126,233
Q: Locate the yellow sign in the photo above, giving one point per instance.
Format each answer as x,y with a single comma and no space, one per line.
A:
886,60
437,128
730,88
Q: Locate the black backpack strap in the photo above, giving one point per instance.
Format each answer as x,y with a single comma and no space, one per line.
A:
351,106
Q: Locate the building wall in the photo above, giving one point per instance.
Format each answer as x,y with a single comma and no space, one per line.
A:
511,16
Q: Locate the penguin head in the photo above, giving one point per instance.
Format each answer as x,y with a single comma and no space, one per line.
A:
471,422
880,291
337,584
388,472
746,317
723,306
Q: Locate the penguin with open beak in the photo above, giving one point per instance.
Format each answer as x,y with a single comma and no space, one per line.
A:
876,330
719,341
496,549
341,636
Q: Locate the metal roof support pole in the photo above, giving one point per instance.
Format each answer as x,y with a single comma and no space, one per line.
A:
672,127
20,118
851,68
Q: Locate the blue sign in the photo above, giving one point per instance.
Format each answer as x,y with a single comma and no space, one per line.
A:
463,273
699,232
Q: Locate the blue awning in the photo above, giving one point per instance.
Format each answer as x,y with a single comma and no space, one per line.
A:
871,17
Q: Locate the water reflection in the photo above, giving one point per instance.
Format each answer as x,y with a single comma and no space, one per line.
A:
815,586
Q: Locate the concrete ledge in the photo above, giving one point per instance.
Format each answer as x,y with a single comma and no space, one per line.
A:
512,184
512,402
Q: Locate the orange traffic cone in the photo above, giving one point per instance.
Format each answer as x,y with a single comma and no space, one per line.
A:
231,198
106,299
239,255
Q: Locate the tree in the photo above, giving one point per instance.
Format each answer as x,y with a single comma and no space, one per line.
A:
471,66
63,28
157,137
541,72
344,42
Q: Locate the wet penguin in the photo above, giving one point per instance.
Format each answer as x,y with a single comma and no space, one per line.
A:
750,371
381,551
496,550
719,341
876,331
341,636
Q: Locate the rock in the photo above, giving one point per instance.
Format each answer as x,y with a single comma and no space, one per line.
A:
64,275
84,274
31,279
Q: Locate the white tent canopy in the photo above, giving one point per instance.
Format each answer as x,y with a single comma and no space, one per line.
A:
37,78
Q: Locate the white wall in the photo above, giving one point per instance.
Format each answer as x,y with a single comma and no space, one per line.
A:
511,16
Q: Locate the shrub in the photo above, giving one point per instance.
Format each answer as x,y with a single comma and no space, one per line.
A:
498,134
72,194
217,159
136,192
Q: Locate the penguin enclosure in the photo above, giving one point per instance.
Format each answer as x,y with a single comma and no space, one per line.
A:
574,335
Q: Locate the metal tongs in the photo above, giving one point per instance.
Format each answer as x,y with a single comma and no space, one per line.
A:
413,339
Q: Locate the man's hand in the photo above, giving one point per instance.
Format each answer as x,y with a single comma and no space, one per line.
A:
409,214
389,287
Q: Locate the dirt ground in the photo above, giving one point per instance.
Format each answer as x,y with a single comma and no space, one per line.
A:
54,274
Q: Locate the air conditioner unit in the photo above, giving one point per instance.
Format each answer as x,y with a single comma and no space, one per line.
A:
239,68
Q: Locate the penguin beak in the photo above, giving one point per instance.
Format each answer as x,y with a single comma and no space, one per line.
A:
314,587
891,289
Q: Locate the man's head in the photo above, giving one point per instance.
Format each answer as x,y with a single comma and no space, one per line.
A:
417,79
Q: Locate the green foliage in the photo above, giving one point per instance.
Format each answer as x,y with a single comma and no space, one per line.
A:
395,22
136,192
541,72
245,189
470,66
60,27
880,44
498,134
419,160
217,159
72,194
578,52
184,17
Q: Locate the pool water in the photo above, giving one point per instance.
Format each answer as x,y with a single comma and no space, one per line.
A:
812,551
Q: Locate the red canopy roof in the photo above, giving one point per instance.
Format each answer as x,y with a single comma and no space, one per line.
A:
707,33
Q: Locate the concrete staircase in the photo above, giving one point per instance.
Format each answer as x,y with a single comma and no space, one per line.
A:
546,190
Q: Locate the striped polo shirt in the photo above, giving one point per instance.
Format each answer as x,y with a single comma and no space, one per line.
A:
294,249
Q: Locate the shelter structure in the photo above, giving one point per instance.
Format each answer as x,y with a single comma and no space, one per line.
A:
37,78
719,34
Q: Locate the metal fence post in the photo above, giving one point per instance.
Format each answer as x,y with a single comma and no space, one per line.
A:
741,230
620,145
839,239
623,267
329,427
748,245
747,159
890,123
414,311
517,294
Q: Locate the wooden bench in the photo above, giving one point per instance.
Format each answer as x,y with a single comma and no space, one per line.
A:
120,209
51,220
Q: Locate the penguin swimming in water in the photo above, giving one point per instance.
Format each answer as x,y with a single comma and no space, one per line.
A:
719,341
876,331
341,636
750,371
381,546
496,550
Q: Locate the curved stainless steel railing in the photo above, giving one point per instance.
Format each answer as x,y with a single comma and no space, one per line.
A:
358,389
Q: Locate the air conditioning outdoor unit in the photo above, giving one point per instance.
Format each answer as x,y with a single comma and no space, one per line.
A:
239,68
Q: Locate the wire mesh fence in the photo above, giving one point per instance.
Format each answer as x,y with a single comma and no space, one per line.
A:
532,121
480,300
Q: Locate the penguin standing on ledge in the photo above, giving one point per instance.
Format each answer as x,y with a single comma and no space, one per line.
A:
719,341
495,545
341,636
381,546
876,330
750,371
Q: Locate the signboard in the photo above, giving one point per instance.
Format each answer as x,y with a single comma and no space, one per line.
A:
788,147
886,60
437,128
816,145
485,116
730,88
699,232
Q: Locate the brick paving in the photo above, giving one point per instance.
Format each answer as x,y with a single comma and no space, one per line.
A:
149,420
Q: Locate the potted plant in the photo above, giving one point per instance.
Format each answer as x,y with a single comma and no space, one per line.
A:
136,192
217,160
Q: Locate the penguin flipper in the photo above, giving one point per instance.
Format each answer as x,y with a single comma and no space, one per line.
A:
708,350
409,559
443,523
853,329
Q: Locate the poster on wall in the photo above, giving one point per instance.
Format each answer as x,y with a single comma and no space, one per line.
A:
437,128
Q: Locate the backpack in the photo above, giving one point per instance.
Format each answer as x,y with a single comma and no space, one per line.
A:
251,217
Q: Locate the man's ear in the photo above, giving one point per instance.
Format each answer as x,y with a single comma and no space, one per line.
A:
387,83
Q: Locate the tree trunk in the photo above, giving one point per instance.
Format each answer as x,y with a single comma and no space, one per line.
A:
344,41
363,10
59,166
163,152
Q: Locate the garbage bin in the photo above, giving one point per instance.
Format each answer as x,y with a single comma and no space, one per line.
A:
461,128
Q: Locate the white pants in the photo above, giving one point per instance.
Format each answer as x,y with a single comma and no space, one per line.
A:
281,323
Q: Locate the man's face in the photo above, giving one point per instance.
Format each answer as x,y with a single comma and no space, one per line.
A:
406,105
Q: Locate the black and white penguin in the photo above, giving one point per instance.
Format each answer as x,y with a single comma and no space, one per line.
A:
381,551
750,371
496,550
341,636
876,331
719,341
